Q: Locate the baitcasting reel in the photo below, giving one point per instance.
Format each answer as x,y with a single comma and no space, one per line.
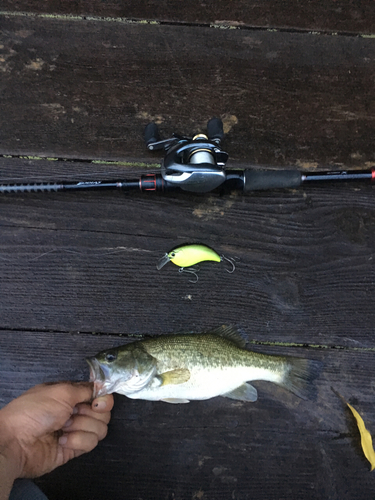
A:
192,164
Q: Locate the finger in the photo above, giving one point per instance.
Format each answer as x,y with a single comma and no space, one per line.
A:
63,385
86,424
102,404
80,441
72,393
79,392
85,409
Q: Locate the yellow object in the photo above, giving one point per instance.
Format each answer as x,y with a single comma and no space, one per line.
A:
175,377
366,439
188,255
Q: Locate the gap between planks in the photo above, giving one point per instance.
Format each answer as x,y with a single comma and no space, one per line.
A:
134,337
215,25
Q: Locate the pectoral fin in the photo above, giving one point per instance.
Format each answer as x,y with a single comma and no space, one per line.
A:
245,392
175,401
174,377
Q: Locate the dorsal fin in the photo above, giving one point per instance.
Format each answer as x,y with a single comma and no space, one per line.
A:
231,333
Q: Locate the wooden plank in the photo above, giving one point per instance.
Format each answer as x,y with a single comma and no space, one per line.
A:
351,17
286,98
87,262
215,449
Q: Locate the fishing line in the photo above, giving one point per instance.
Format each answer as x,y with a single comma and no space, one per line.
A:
93,254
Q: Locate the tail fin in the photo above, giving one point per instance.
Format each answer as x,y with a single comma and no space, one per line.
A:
300,375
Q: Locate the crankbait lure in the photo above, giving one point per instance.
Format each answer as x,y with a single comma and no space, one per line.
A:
189,255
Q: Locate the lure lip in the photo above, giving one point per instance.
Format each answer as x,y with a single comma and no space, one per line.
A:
164,260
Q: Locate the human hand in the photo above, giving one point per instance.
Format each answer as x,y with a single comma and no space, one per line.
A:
50,424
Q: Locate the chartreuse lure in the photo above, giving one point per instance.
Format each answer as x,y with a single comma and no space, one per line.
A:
189,255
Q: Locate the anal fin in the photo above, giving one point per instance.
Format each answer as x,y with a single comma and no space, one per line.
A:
245,392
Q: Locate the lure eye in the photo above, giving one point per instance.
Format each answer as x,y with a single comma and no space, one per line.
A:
173,254
110,356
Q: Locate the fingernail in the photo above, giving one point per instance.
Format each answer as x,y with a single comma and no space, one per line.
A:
75,410
63,440
100,405
68,422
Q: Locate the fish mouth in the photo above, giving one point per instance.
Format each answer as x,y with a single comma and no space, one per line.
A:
96,371
97,376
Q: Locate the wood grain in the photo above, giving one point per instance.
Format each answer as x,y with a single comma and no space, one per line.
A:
285,98
208,449
78,271
87,262
349,16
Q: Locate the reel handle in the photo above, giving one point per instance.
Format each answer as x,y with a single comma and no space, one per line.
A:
153,140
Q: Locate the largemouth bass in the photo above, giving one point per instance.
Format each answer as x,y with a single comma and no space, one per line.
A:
181,368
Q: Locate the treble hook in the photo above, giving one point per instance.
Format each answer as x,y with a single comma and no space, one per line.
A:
183,270
222,257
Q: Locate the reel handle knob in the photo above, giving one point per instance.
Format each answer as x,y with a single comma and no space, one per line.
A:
215,130
151,135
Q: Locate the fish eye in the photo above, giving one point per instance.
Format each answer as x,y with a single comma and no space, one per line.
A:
110,356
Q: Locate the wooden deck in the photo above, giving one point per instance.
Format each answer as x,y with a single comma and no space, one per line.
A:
295,87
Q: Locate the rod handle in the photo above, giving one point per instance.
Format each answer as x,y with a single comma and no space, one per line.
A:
256,180
35,187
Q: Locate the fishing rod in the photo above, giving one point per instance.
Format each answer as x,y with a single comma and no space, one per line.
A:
196,164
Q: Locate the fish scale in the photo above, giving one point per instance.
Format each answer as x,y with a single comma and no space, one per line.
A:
180,368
